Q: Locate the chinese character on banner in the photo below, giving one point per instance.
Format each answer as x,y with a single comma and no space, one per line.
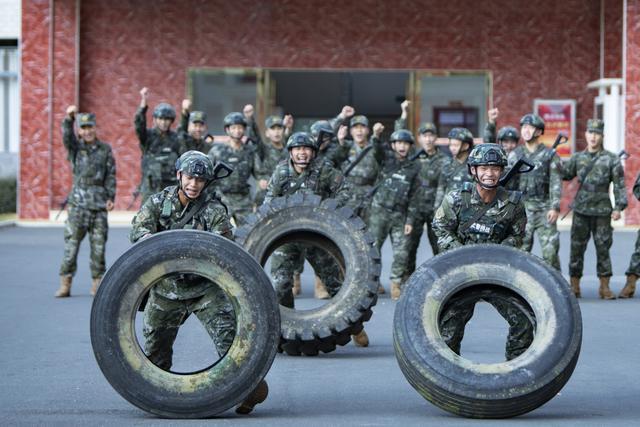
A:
559,115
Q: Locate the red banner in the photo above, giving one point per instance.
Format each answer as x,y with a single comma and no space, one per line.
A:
559,116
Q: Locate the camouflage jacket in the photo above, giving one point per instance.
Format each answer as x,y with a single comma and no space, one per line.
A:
163,211
542,187
367,169
452,177
503,223
398,184
636,187
159,150
267,157
593,196
430,169
318,178
489,135
242,162
187,142
94,170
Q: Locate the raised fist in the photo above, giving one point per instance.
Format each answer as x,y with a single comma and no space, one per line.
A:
144,92
342,133
493,115
378,128
288,121
347,111
405,105
186,105
72,110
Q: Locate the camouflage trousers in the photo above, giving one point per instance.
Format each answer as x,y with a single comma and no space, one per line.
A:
360,201
548,235
163,317
287,260
582,227
413,241
383,223
634,263
239,205
80,222
459,311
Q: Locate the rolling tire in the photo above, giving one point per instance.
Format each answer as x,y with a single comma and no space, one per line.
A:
195,395
305,218
497,390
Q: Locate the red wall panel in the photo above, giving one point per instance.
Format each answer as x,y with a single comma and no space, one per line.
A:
632,137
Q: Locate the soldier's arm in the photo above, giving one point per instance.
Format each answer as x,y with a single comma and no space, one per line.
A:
69,138
489,135
636,188
619,190
401,122
219,223
140,123
445,224
146,220
110,176
516,231
555,182
569,169
273,187
442,185
339,188
414,201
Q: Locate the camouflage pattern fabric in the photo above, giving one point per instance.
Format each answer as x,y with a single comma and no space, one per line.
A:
187,142
266,161
503,223
582,227
634,263
452,177
174,298
94,183
159,154
489,134
547,234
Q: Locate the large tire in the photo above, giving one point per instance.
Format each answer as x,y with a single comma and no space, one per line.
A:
306,219
478,390
201,394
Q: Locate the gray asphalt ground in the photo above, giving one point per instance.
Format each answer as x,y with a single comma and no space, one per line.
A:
49,376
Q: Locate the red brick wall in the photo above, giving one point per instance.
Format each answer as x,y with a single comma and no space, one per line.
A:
632,137
547,51
612,38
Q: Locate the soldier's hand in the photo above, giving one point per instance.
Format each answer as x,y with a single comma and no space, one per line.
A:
405,105
615,215
288,121
347,111
109,205
248,111
493,115
552,216
263,183
378,128
186,105
342,134
144,95
209,138
71,111
408,228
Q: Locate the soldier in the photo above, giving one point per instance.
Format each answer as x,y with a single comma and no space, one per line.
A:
304,172
430,159
92,195
240,156
483,212
541,188
394,205
269,154
159,146
454,172
596,168
192,132
188,206
634,264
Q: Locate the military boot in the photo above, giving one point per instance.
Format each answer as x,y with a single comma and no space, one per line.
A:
258,395
604,291
95,284
320,291
395,290
575,286
65,286
630,287
361,339
296,284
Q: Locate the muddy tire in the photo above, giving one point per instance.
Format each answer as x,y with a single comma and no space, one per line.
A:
497,390
213,390
306,219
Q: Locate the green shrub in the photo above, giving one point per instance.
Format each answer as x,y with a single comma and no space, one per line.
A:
8,195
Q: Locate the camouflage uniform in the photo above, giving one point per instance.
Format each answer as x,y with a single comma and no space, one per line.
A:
159,154
503,223
634,263
541,188
186,141
318,178
94,183
235,190
394,204
267,157
592,207
505,133
173,299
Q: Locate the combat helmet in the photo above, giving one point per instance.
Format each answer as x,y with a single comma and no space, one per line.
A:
164,111
487,155
234,118
195,163
462,134
402,135
508,132
533,120
301,139
320,126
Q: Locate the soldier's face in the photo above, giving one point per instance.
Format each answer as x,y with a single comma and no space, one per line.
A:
162,123
235,131
594,140
487,175
457,147
87,133
529,132
301,156
191,186
508,145
197,130
401,148
427,140
275,133
359,133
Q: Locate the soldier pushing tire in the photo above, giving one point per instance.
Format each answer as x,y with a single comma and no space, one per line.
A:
500,275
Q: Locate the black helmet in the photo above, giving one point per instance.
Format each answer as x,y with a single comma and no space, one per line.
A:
234,119
533,120
508,132
402,135
301,139
320,126
488,154
164,111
